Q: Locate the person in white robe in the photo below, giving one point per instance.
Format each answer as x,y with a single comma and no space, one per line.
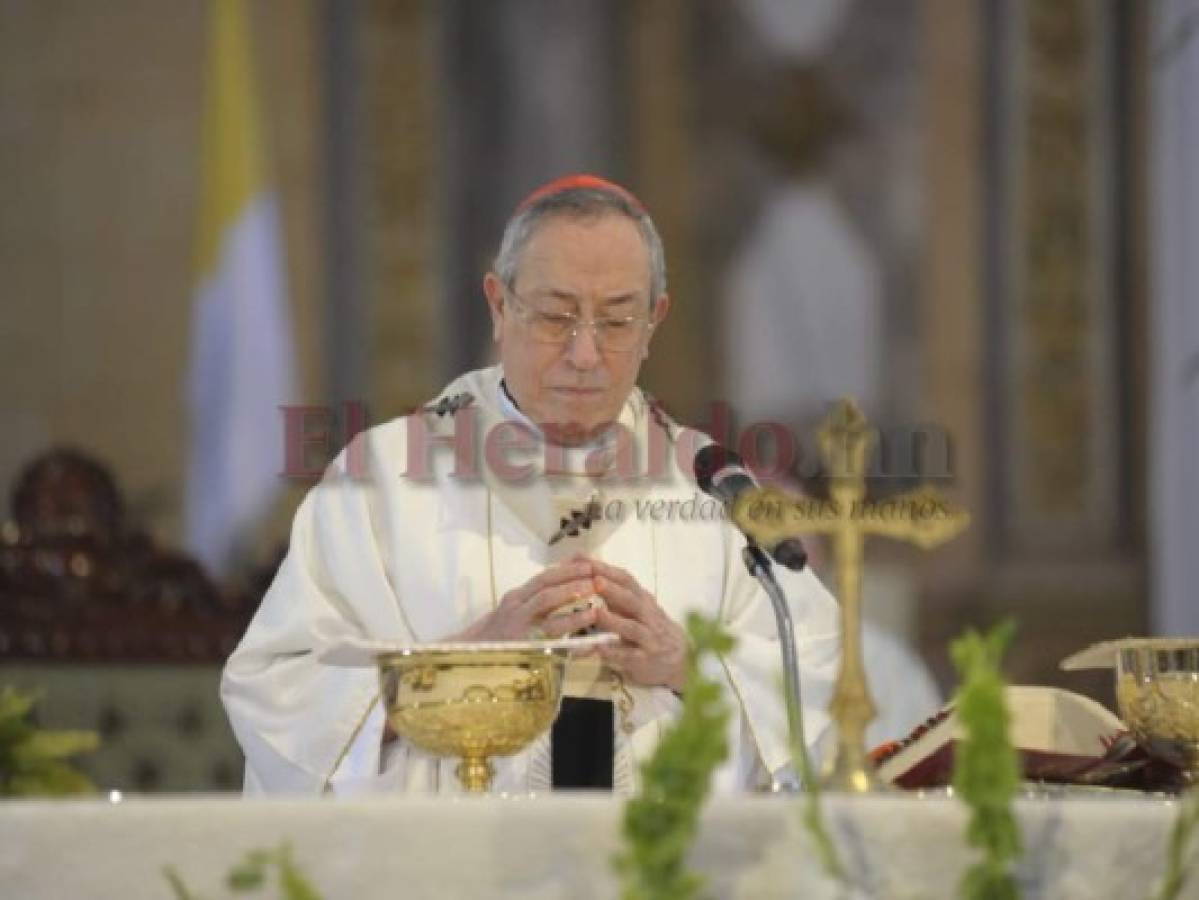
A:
518,491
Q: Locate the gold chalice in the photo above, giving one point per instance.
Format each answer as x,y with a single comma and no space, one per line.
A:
1157,691
473,702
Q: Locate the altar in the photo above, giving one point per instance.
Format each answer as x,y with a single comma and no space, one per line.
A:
1091,847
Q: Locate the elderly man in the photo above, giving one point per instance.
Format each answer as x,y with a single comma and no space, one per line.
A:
491,513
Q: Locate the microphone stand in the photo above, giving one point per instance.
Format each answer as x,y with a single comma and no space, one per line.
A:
758,564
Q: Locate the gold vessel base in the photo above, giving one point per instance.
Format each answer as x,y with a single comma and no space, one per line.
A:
475,773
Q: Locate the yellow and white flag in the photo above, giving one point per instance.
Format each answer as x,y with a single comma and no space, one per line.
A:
242,369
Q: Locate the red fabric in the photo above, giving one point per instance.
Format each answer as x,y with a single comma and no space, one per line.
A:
570,182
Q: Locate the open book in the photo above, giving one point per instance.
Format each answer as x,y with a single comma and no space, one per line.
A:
1059,735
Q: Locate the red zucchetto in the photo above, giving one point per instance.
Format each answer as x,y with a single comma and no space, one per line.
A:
571,182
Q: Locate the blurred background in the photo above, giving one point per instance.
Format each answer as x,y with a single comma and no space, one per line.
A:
979,217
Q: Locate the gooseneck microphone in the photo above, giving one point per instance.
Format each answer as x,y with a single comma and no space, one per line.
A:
720,473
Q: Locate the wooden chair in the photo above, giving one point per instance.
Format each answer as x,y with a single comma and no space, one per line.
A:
119,634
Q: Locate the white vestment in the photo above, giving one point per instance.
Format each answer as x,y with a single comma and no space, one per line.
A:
407,539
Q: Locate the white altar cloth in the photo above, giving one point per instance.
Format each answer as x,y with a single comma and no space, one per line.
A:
560,846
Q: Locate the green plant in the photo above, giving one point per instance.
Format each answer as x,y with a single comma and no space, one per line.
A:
251,874
986,771
1179,856
32,762
812,816
660,824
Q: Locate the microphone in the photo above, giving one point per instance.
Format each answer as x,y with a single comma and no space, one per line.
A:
720,473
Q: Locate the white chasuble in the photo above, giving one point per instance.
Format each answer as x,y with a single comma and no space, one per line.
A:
420,527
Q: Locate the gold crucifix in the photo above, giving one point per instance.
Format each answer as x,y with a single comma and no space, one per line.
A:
921,517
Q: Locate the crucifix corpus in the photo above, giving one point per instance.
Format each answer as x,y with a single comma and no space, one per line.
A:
921,517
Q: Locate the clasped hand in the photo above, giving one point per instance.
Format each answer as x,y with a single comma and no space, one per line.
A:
653,647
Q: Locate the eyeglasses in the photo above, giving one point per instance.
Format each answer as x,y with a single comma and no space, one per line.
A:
617,334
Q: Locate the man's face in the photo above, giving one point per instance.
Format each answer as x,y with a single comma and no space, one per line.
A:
595,268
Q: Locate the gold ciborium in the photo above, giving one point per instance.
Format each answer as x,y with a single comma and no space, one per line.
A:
473,703
1157,692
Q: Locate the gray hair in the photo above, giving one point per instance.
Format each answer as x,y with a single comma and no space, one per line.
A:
579,203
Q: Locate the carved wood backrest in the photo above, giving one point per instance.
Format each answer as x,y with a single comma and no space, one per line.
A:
79,584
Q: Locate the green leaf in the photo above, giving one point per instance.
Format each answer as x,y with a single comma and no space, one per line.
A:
250,873
295,885
15,706
51,779
58,744
178,887
31,761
